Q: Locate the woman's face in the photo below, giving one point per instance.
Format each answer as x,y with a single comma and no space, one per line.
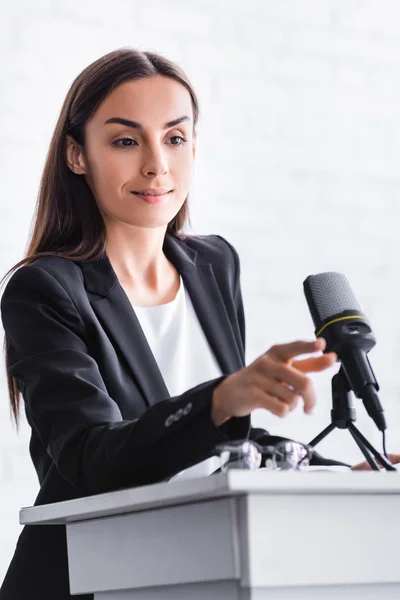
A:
148,150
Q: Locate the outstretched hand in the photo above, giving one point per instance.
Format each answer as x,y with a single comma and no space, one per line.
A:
364,466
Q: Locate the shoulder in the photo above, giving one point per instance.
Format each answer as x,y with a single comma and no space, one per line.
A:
57,266
45,272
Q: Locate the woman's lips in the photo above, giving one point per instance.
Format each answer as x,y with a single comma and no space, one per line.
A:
152,199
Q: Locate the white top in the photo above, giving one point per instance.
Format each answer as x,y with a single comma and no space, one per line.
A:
182,353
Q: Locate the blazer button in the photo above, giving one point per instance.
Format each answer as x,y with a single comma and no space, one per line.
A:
187,408
178,415
169,420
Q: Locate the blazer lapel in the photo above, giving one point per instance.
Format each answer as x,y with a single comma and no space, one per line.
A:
118,317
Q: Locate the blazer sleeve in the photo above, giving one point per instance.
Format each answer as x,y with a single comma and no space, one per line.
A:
78,423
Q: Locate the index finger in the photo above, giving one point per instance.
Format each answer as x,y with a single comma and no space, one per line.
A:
315,364
285,352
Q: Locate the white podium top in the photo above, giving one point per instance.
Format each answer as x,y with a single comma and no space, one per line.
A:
232,483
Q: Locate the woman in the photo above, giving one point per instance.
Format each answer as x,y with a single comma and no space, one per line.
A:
125,337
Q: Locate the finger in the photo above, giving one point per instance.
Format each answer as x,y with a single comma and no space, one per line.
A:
284,352
268,402
300,384
309,397
278,390
394,458
313,365
285,373
364,466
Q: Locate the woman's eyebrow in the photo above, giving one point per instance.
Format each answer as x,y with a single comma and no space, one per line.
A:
135,125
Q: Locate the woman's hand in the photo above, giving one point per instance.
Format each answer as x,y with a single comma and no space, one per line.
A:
364,466
274,381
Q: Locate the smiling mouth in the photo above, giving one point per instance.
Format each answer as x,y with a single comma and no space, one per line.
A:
152,195
152,199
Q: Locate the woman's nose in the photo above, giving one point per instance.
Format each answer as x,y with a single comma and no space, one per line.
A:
154,163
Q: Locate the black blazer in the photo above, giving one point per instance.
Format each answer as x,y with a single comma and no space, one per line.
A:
94,396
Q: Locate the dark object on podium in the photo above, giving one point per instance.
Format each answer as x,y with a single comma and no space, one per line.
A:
343,416
338,318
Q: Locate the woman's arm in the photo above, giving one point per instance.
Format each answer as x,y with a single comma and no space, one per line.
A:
78,423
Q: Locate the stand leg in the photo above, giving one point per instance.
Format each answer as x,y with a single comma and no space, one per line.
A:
382,459
343,414
371,461
323,434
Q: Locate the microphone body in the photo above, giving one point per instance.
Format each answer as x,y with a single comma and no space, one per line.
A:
338,318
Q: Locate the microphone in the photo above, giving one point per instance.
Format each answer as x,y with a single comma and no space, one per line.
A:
338,318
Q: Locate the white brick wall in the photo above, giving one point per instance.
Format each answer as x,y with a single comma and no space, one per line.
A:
297,165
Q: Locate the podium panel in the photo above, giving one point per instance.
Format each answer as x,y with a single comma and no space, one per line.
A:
231,591
240,535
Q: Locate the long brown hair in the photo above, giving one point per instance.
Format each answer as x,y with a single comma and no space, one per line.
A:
67,221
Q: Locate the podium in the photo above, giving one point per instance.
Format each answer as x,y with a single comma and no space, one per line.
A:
240,535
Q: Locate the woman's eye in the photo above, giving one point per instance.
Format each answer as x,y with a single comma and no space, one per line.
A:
178,137
178,141
116,143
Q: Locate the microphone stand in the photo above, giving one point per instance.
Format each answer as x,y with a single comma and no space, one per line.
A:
343,415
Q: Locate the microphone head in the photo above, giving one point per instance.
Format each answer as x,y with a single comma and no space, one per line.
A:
329,294
338,318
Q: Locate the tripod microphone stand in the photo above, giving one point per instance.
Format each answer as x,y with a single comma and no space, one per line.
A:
343,415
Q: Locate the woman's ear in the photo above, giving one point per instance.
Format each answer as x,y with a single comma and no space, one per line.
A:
194,144
74,156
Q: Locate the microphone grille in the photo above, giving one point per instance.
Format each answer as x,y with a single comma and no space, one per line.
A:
329,294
